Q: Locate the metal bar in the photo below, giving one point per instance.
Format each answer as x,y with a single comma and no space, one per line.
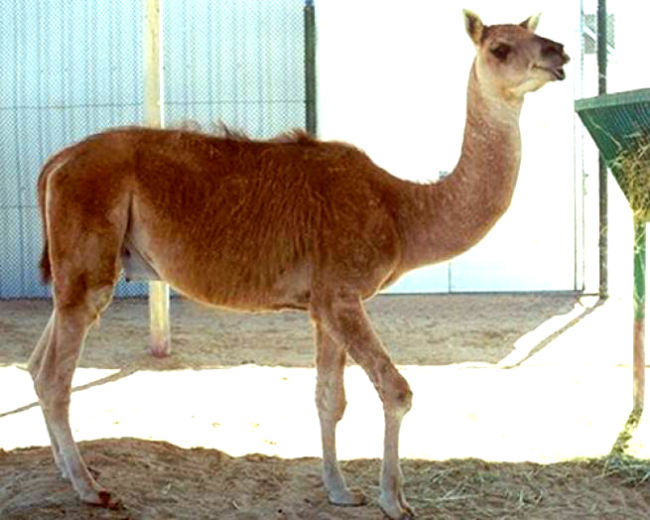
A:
639,313
160,336
311,122
602,167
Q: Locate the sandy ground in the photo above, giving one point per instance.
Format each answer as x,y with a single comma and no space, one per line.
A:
518,401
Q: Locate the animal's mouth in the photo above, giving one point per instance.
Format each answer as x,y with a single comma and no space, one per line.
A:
557,72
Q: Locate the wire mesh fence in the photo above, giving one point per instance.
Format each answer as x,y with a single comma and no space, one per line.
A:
72,68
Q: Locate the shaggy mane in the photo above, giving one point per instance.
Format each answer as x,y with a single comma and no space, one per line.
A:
223,131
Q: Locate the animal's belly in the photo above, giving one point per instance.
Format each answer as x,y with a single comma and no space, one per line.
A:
235,272
243,289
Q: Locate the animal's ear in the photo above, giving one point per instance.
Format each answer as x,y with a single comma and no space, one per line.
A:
531,23
473,26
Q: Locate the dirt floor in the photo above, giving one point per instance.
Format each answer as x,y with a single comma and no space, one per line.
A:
519,401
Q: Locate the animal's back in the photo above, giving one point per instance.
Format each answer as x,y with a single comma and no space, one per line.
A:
239,222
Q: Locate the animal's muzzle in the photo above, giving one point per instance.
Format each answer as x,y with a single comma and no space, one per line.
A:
555,57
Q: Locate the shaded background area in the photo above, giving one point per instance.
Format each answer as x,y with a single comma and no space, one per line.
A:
417,330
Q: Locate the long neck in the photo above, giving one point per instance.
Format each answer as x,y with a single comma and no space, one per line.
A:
445,218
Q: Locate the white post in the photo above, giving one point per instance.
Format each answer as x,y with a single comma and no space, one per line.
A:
160,341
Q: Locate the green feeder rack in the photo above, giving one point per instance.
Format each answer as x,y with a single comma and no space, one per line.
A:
620,126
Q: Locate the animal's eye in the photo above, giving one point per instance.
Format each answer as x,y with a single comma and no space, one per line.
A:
501,51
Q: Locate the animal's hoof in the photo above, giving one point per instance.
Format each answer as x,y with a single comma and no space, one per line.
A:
110,502
348,497
407,508
407,514
398,511
104,498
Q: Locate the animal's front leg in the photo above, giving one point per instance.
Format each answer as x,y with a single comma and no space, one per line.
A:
330,400
345,320
392,500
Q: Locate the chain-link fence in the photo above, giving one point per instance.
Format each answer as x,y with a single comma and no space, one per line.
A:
72,67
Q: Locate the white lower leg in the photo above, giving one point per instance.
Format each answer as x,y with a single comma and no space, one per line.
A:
330,401
67,456
348,325
392,499
34,366
56,453
337,490
52,368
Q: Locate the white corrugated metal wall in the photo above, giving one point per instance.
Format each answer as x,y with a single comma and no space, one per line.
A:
73,67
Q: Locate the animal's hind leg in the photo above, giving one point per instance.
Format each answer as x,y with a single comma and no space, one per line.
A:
82,287
85,216
52,373
34,365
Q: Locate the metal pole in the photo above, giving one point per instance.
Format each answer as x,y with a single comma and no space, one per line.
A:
311,124
639,313
160,339
602,167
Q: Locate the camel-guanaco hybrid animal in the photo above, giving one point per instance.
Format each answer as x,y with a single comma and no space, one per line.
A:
287,223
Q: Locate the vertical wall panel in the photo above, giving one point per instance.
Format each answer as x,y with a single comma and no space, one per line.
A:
11,268
239,62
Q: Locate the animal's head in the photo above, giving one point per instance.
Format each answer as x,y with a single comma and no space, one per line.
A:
512,59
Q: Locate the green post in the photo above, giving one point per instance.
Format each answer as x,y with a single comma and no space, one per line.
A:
639,313
311,124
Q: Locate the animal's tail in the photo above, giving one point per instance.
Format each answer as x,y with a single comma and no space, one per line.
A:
48,167
45,267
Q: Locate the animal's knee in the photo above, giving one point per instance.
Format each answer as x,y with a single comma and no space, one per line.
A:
339,408
331,412
330,400
403,397
397,394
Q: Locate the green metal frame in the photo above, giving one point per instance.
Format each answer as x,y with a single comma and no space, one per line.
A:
617,122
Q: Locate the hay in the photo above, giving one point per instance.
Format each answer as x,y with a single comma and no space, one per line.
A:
631,168
473,489
631,471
